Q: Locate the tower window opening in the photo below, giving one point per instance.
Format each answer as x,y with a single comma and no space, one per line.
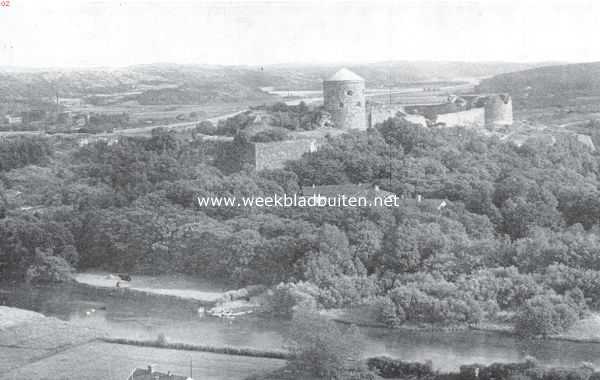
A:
341,105
349,93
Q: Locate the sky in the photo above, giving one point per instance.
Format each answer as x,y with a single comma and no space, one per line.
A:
82,33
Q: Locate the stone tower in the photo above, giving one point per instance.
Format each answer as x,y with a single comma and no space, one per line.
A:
498,110
344,99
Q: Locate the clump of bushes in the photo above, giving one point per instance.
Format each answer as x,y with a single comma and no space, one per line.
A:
389,368
47,268
205,127
284,299
388,312
161,339
22,151
346,291
242,294
413,303
549,314
319,347
269,135
392,368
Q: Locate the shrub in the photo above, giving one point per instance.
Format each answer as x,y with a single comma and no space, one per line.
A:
346,291
206,127
389,313
269,135
321,348
284,299
595,376
161,339
47,268
566,374
499,371
420,302
392,368
545,315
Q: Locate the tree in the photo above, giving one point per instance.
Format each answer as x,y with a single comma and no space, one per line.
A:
333,258
545,315
321,348
47,268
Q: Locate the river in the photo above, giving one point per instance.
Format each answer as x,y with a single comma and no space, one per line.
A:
180,322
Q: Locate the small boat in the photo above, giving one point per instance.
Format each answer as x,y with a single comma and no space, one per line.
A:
227,314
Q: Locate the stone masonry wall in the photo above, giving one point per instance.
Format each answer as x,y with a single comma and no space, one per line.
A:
472,118
498,110
274,155
378,113
345,102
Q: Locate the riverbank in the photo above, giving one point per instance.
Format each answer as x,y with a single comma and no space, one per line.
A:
586,330
182,287
132,315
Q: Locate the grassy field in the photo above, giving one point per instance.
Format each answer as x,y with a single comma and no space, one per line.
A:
170,111
106,361
10,316
28,339
36,347
179,286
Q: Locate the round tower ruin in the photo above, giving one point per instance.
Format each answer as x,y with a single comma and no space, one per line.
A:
344,99
498,110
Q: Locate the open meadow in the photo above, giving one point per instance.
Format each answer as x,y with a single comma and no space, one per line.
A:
115,362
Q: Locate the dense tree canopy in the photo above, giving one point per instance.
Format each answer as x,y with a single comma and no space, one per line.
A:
520,230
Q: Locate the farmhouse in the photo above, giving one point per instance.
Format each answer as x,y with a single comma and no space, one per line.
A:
150,374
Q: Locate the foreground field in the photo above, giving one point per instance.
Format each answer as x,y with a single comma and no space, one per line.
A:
26,337
10,316
33,346
102,361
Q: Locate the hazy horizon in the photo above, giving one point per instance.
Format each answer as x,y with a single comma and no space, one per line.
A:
282,64
116,34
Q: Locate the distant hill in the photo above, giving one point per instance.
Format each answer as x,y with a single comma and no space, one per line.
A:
383,74
181,84
551,85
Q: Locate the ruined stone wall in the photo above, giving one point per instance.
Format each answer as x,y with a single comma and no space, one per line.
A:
274,155
232,156
345,102
498,110
431,111
471,118
378,113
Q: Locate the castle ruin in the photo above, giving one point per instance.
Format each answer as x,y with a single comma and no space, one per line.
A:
344,102
498,110
232,156
344,99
